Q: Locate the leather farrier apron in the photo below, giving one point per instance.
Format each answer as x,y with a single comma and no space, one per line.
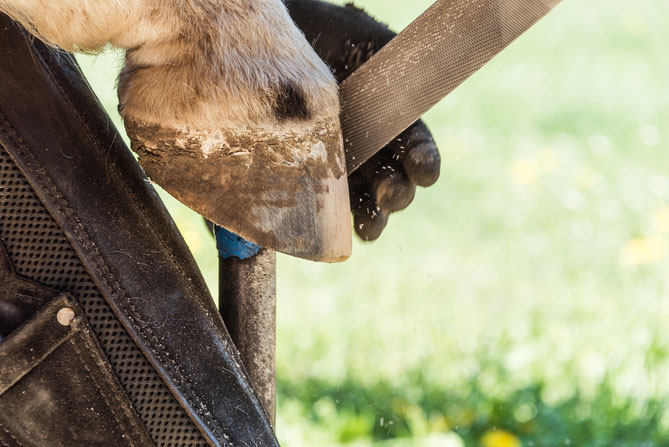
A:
109,336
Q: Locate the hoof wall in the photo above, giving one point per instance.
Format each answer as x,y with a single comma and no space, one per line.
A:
284,190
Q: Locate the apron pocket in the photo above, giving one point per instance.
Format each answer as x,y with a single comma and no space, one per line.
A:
57,387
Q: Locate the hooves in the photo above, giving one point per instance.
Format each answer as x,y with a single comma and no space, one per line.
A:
284,188
238,119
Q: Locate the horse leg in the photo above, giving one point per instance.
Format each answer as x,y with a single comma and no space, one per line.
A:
227,105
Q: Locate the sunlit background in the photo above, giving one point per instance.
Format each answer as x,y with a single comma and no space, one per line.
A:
523,299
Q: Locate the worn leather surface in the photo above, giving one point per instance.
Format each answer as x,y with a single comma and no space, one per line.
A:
90,183
20,297
57,388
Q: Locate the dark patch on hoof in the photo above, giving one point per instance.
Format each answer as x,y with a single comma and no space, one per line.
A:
290,104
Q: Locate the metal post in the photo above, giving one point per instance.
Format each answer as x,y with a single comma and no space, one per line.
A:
247,303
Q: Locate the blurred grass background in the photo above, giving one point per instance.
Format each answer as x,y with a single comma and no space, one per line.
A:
523,299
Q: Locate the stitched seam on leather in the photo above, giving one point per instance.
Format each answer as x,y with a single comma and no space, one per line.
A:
106,277
103,393
126,406
11,436
167,248
47,353
31,299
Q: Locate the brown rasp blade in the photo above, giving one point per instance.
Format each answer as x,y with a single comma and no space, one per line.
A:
423,64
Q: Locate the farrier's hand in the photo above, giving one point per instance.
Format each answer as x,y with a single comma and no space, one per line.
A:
345,37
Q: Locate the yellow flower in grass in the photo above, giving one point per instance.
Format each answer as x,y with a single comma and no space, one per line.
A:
662,219
644,250
526,171
500,438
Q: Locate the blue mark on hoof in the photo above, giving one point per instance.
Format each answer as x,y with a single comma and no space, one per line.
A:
232,246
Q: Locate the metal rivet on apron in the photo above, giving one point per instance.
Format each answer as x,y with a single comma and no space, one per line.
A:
65,316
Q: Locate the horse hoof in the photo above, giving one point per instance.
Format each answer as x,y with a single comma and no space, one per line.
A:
283,187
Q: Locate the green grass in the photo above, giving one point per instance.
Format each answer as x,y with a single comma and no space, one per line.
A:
527,290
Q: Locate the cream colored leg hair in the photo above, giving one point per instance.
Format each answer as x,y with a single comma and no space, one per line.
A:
228,107
193,63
